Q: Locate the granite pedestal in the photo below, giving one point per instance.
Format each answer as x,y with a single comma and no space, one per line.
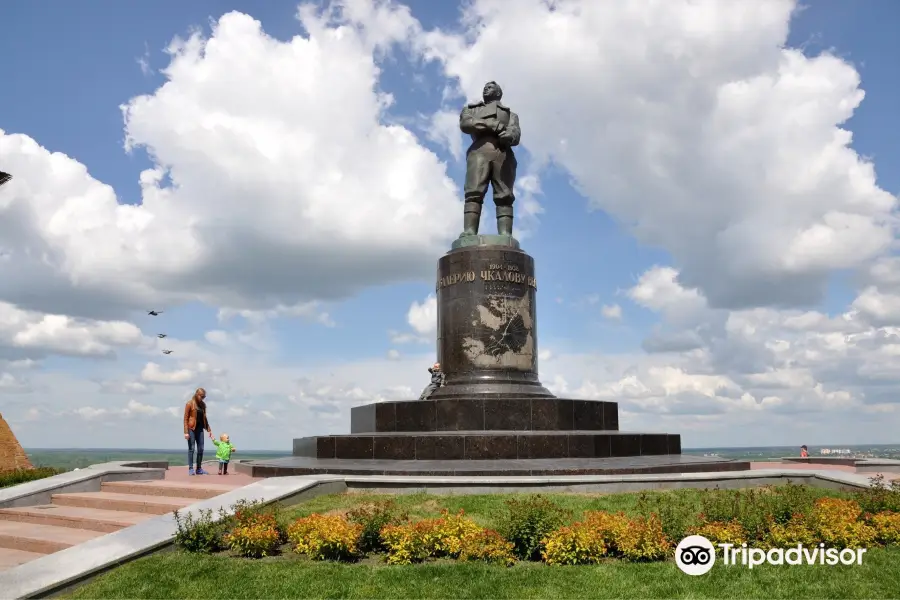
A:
487,324
492,415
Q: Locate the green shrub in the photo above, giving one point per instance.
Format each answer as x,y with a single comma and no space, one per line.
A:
786,501
10,478
250,513
677,511
756,508
201,534
879,497
528,521
373,518
747,507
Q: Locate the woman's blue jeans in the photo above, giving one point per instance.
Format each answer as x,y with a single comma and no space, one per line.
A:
195,438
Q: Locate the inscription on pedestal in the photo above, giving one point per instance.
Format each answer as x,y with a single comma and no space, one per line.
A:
494,273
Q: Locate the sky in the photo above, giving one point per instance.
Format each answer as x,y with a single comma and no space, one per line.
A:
708,188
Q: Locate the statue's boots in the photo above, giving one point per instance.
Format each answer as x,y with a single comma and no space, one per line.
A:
505,220
471,218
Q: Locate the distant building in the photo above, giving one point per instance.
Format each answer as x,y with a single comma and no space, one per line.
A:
835,451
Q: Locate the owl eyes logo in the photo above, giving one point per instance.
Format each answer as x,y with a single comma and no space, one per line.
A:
695,555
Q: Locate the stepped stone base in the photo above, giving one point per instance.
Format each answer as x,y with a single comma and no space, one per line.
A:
299,465
487,445
488,435
485,413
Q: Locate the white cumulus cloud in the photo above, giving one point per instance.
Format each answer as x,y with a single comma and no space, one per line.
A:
260,198
422,316
35,334
730,156
154,373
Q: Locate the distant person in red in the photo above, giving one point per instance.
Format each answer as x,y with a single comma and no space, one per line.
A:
804,453
195,423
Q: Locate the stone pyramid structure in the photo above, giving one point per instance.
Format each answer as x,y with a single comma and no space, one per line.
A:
12,456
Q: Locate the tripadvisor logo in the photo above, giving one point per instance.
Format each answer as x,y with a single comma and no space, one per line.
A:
696,555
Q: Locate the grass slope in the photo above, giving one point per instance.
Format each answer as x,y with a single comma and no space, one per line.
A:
178,575
181,575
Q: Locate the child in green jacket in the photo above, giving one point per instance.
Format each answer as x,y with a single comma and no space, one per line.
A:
223,452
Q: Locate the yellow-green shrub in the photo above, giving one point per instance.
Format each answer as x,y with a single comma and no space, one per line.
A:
887,527
578,544
428,538
610,526
837,523
786,535
407,543
250,513
487,546
717,532
373,517
602,533
450,531
325,537
643,540
254,538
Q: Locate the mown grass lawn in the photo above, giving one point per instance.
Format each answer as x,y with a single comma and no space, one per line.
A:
178,574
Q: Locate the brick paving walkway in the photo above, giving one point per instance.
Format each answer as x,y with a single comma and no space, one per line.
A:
181,474
817,467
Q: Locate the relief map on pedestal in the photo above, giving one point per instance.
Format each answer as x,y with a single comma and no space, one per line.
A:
502,334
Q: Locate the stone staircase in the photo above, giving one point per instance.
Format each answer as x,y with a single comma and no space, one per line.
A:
27,533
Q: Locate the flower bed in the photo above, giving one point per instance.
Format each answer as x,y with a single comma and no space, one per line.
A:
537,529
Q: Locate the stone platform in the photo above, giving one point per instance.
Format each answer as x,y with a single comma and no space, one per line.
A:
634,465
485,413
487,445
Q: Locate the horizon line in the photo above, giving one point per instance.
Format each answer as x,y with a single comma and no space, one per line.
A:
258,451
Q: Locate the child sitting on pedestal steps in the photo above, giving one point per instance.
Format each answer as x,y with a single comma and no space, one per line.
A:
437,381
223,452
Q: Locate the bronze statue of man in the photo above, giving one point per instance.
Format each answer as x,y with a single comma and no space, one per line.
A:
494,130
